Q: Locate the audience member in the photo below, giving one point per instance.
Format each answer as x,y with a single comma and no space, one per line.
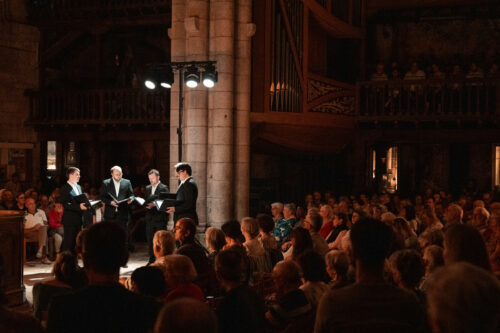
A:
313,223
277,211
215,240
185,231
266,227
56,229
326,213
285,225
241,309
149,281
292,310
408,269
337,266
379,74
20,202
103,306
35,228
464,298
313,276
255,251
186,315
7,200
464,243
370,304
433,259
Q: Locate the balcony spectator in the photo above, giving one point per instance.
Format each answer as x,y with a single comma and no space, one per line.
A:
379,74
474,72
494,71
414,73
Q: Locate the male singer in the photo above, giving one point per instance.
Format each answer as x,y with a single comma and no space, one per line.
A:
186,195
73,211
155,219
113,190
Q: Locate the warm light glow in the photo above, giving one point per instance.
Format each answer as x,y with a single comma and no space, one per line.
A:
150,84
191,83
209,83
166,85
51,155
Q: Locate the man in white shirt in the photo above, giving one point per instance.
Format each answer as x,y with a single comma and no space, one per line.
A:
35,227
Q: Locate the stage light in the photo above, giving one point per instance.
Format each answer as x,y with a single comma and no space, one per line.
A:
167,78
209,76
192,77
151,81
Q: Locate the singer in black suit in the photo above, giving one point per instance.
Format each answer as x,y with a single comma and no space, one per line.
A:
120,188
155,219
186,195
72,218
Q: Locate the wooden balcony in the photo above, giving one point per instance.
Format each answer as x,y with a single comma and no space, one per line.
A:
54,13
99,108
425,101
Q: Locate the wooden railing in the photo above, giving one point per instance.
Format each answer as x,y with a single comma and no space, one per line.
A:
428,99
99,107
65,9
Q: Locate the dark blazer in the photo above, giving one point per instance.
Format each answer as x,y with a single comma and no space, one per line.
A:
186,197
123,211
153,214
72,214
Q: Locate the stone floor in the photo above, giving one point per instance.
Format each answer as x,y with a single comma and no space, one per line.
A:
35,271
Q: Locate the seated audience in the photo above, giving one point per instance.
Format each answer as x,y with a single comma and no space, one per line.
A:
404,234
7,201
313,277
35,228
433,259
454,215
430,221
241,309
266,227
326,212
277,211
370,304
185,232
407,268
180,274
215,240
56,229
64,271
232,232
20,202
379,74
300,243
255,251
163,245
480,217
474,72
285,225
337,267
104,306
313,225
334,238
464,298
292,310
464,243
414,73
186,315
149,281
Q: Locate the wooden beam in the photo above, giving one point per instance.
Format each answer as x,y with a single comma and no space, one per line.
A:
311,119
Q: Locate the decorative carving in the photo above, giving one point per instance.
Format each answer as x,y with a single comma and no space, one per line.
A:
343,105
318,88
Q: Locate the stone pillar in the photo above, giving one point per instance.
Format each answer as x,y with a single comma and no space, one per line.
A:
245,31
220,166
196,104
177,35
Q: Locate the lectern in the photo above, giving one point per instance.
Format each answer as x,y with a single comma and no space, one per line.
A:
11,249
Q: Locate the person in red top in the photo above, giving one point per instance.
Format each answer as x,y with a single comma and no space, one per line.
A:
56,229
179,275
326,213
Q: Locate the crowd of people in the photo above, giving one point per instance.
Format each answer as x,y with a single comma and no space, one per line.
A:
359,263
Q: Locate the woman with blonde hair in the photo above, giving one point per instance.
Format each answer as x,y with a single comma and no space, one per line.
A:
179,275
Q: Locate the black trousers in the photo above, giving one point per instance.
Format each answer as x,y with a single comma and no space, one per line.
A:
71,230
151,228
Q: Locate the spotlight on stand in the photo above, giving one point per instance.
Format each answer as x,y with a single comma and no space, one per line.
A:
209,76
167,78
151,79
192,77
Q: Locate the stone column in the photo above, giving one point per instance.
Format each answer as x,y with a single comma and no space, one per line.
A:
245,31
196,104
220,120
177,35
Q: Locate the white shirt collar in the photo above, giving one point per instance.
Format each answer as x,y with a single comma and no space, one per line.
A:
75,187
183,181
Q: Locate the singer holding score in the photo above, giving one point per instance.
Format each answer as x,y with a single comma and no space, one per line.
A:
155,219
72,217
117,195
186,196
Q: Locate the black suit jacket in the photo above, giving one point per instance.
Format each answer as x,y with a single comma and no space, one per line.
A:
153,214
186,197
72,214
123,211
